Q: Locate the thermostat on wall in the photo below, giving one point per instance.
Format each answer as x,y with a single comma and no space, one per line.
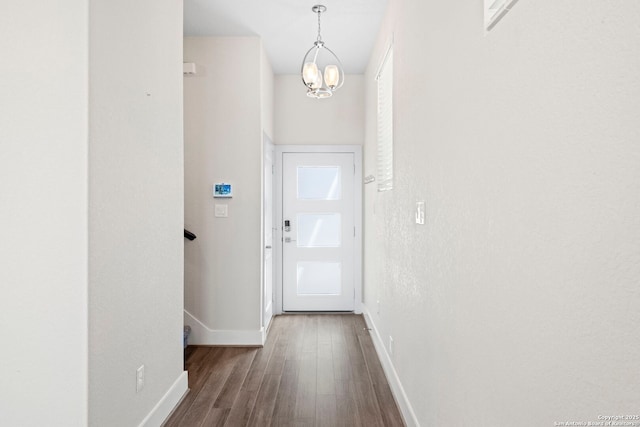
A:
222,190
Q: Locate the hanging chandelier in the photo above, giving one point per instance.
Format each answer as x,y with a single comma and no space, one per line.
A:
319,83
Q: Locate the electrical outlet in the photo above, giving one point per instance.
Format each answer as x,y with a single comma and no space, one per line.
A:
139,379
390,345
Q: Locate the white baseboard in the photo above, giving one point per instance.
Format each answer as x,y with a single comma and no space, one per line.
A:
169,401
390,371
202,335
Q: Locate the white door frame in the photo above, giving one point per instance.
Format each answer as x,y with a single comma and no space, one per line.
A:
357,211
267,310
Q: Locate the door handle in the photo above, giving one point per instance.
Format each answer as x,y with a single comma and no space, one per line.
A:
268,247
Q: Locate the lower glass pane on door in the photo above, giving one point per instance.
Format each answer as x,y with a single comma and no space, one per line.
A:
319,278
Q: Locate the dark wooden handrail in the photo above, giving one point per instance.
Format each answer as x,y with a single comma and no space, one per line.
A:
189,235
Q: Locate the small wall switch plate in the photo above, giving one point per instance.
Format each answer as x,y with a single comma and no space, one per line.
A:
420,213
139,379
221,211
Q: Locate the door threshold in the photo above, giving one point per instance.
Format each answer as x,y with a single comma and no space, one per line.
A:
318,312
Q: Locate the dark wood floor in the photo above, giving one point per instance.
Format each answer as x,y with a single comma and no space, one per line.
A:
314,370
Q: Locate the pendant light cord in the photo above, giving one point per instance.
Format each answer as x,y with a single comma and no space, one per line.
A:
319,36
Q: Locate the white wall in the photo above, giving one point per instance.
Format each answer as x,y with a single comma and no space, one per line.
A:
267,83
135,210
517,302
223,140
43,205
303,120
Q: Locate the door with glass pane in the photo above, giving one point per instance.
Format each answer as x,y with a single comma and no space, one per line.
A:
318,231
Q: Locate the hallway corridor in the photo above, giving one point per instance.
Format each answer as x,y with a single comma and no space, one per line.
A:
314,370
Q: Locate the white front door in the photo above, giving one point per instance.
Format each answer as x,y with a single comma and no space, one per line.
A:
318,212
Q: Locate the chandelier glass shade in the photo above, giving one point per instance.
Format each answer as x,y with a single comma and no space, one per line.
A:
321,69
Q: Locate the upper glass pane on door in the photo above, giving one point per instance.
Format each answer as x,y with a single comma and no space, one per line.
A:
319,183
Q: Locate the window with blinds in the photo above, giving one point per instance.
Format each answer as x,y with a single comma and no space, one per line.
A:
385,122
494,10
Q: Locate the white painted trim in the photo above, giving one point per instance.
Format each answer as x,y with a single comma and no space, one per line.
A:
203,335
385,56
168,403
266,310
406,409
277,235
359,222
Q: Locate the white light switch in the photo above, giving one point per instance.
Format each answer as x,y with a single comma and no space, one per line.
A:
139,379
420,213
222,211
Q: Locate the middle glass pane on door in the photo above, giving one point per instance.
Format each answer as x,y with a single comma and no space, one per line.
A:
319,230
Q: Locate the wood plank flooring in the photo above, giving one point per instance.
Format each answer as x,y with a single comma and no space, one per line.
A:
314,370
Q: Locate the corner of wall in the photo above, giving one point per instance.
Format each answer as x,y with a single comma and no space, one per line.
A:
267,80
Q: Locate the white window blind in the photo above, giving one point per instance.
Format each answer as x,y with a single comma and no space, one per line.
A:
385,122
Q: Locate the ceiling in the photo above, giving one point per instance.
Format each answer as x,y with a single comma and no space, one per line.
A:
288,27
